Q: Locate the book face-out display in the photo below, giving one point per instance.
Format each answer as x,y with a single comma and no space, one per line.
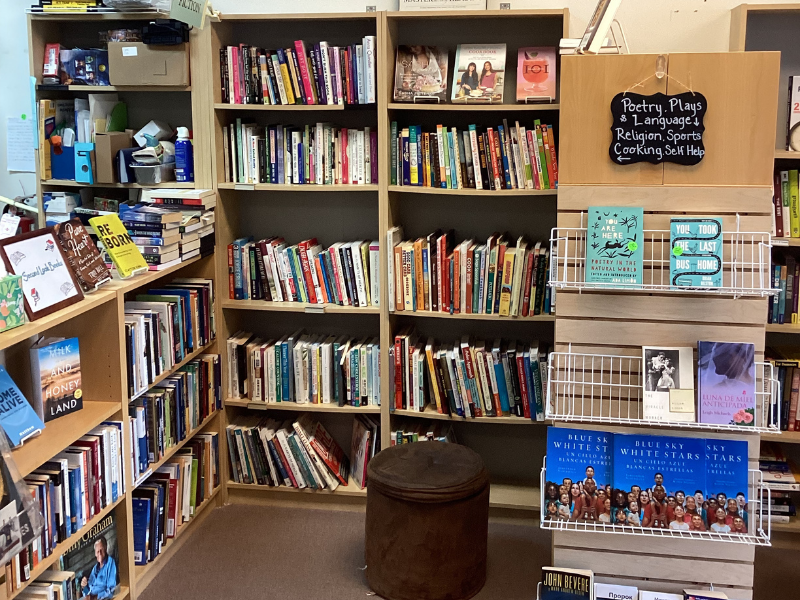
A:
420,74
479,73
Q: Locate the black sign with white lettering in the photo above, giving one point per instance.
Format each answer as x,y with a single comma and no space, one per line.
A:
658,128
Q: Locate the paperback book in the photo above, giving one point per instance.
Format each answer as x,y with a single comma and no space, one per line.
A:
82,255
695,258
479,73
17,416
726,481
95,558
726,383
420,74
56,372
536,74
577,455
615,250
668,384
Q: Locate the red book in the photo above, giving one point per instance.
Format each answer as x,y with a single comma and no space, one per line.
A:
498,276
330,453
457,281
171,505
302,250
300,49
237,95
231,279
398,372
777,200
526,297
345,163
282,456
523,386
93,460
547,145
553,156
795,391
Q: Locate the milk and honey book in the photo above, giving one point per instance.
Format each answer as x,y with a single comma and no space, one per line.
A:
566,584
56,373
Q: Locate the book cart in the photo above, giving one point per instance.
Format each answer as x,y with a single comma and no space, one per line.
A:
98,320
595,373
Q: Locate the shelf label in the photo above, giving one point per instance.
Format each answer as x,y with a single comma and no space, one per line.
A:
191,12
658,128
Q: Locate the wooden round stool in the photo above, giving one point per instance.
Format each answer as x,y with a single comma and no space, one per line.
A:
427,522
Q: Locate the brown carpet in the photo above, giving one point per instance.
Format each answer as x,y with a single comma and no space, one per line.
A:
244,552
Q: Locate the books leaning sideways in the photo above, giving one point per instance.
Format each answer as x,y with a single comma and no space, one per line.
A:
300,454
171,496
346,273
70,490
498,277
414,430
196,227
494,158
286,155
470,378
164,326
305,368
301,74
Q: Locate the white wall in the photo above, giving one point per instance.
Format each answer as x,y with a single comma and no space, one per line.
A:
650,25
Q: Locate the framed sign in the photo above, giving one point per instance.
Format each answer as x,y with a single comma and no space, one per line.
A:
658,128
48,284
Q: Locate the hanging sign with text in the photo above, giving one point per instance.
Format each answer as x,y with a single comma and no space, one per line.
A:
658,128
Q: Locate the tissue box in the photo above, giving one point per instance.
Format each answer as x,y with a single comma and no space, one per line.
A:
135,63
159,130
12,304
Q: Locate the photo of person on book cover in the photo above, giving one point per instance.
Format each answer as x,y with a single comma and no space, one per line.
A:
94,560
420,72
479,72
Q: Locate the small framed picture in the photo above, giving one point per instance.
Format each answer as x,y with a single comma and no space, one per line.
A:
48,283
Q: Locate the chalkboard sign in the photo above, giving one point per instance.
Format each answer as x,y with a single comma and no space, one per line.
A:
658,128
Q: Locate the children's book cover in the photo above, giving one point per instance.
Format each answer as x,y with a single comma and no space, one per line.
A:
579,454
726,482
695,258
726,382
479,73
536,74
615,245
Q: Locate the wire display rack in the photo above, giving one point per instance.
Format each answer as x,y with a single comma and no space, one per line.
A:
758,509
746,263
601,388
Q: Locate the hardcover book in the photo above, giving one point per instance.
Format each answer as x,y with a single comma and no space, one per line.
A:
579,454
695,258
615,247
479,73
82,255
119,245
420,74
559,583
56,372
727,479
726,383
17,416
95,557
665,371
536,74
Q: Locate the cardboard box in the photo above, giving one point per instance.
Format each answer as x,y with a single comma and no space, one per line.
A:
106,147
135,63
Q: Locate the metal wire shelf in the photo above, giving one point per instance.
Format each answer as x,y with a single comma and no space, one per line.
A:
600,388
758,509
746,263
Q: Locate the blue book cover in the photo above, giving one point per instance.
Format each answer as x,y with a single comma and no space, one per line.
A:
576,454
727,477
141,529
285,395
75,500
17,416
677,463
776,283
695,258
615,245
56,371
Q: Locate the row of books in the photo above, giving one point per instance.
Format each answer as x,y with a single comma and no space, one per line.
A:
786,204
300,454
70,490
50,585
469,378
314,74
346,273
318,154
786,277
168,414
787,371
164,325
780,474
421,431
305,368
498,277
501,158
170,496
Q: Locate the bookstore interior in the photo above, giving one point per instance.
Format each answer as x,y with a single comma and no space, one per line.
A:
276,260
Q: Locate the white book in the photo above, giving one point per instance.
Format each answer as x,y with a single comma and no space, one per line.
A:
361,290
367,160
659,596
393,237
311,254
360,157
326,71
375,272
281,90
526,157
668,384
360,69
282,437
473,141
318,130
607,591
338,267
231,82
369,56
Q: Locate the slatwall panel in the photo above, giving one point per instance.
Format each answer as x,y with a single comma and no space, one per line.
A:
620,323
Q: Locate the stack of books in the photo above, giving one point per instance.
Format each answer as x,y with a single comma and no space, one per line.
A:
773,462
167,414
299,454
305,368
786,362
409,431
313,74
499,277
786,278
196,208
163,326
501,158
345,273
470,379
170,496
314,154
786,201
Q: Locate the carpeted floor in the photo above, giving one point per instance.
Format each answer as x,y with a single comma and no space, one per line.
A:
244,552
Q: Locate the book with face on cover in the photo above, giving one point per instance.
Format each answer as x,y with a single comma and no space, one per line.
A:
536,74
726,383
614,245
574,455
479,73
668,384
420,74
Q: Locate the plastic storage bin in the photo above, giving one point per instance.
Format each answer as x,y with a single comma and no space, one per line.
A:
153,174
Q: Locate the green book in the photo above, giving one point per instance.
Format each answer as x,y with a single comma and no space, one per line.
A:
446,148
794,204
542,156
301,282
193,497
394,152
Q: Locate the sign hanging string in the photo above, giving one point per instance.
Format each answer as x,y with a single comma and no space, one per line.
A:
642,82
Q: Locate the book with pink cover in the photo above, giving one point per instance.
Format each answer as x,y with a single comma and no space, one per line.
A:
536,74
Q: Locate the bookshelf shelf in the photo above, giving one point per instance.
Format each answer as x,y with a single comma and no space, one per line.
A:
124,286
411,189
112,88
792,526
475,317
273,187
784,328
514,496
130,186
303,407
282,107
60,433
782,241
191,356
430,413
790,154
171,452
299,307
785,437
351,489
444,107
49,561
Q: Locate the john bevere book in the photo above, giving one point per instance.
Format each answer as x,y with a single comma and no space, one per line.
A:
559,583
726,383
56,373
614,245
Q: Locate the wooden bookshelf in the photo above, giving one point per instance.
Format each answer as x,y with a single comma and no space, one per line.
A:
784,328
274,187
299,307
446,107
473,316
431,413
303,407
128,186
792,526
514,496
281,107
411,189
784,437
189,358
112,88
783,241
351,489
787,154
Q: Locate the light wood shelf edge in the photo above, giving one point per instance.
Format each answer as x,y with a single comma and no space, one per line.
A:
298,307
431,413
302,407
412,189
306,187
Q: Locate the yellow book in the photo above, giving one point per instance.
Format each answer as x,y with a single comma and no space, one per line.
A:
506,284
794,204
287,83
365,262
432,368
47,117
419,281
118,244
